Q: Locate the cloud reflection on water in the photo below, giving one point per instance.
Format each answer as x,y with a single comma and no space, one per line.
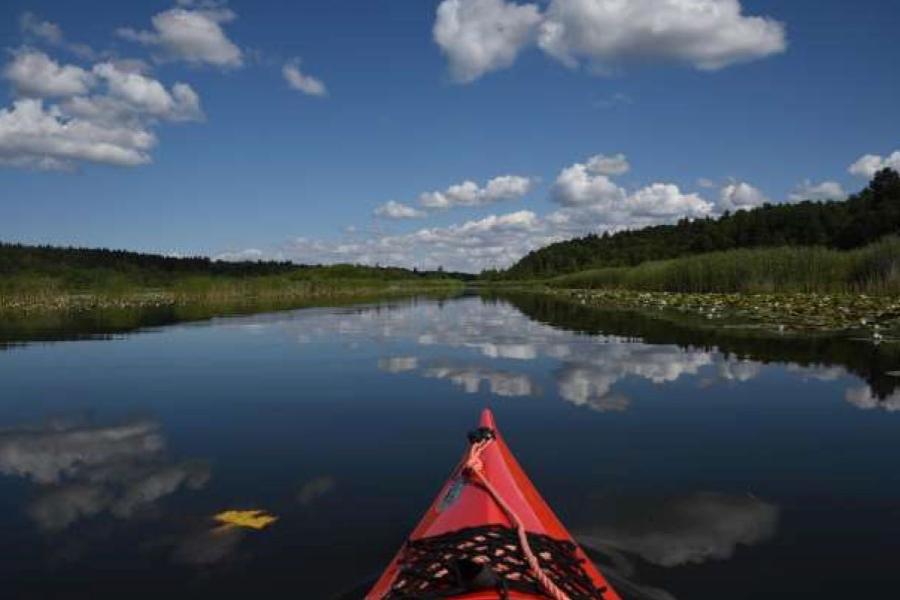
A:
208,546
863,397
316,488
589,369
691,529
470,378
84,470
47,454
398,364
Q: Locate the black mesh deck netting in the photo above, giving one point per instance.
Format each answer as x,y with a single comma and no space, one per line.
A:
487,557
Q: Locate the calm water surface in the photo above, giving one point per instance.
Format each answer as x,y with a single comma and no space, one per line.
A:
700,464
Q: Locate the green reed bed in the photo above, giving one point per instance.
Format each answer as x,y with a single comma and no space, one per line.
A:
873,269
40,294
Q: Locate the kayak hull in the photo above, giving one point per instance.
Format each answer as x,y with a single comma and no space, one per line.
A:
462,504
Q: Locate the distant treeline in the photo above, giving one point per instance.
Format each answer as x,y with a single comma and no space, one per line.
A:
861,219
50,268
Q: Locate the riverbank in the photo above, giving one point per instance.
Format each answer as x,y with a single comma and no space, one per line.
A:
872,269
88,316
877,317
782,289
873,316
42,279
248,291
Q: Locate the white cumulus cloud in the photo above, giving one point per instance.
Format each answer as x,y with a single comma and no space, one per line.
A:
66,114
301,82
666,201
33,73
469,193
251,254
589,195
826,190
472,245
591,203
480,36
191,34
148,96
869,164
706,34
578,185
32,135
740,195
608,165
397,210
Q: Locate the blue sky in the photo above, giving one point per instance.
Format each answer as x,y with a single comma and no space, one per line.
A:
283,129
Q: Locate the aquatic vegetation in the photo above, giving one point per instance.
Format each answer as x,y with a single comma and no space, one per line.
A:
210,291
783,289
248,519
874,316
90,317
824,354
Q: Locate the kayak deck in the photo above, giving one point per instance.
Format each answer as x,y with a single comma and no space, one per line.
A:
469,544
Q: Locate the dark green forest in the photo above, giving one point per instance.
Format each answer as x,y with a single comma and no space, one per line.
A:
859,220
88,268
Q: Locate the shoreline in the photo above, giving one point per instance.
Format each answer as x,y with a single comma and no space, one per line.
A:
25,304
89,316
873,316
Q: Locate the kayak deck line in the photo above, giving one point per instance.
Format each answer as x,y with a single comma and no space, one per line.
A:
490,535
474,469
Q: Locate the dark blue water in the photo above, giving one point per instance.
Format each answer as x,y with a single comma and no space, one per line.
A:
702,464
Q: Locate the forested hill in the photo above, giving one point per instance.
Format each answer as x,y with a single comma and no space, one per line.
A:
859,220
83,265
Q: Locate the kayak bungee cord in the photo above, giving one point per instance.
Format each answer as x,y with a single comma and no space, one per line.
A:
472,542
480,439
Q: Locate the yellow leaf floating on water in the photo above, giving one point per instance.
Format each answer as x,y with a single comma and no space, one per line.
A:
250,519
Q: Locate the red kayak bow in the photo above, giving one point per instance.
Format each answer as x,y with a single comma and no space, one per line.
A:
489,535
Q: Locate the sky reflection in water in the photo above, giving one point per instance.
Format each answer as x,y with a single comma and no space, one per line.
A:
692,470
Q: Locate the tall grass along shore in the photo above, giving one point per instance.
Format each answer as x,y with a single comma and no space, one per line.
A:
781,289
873,269
39,279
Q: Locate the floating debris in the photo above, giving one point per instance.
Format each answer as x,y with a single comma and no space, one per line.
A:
248,519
